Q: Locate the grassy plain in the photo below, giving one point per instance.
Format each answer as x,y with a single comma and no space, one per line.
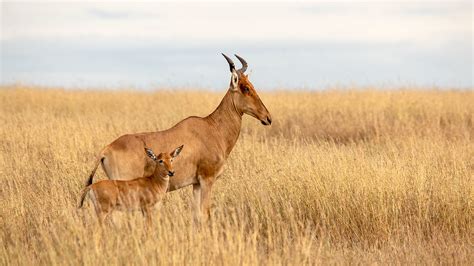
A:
342,176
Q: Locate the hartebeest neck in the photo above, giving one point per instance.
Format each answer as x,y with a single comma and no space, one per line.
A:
227,120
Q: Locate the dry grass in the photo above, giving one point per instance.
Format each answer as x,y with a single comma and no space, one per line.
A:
358,176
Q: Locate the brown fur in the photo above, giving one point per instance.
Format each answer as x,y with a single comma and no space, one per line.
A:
208,140
140,193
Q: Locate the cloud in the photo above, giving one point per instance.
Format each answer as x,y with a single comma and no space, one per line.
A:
106,14
138,11
281,21
244,22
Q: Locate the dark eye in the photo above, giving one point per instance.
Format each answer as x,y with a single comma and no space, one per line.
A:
160,161
245,89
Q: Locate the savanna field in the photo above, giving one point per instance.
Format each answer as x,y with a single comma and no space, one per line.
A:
345,176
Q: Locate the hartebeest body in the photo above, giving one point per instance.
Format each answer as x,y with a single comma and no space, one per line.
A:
208,140
137,194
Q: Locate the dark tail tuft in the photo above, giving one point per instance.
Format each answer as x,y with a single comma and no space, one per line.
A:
89,180
83,196
91,176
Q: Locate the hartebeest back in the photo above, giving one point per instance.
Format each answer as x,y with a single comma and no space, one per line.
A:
137,194
208,140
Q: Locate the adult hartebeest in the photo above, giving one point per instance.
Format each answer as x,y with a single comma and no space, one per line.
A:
142,193
208,140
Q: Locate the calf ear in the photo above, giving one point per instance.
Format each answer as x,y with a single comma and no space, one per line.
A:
150,154
177,151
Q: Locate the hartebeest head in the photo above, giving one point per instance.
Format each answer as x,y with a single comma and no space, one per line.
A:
164,165
245,97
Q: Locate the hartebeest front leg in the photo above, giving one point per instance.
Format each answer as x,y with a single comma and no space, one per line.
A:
197,203
206,189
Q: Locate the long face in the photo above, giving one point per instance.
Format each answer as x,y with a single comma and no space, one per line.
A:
164,161
248,101
244,95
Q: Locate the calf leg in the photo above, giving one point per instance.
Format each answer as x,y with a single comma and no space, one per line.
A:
102,210
147,213
102,215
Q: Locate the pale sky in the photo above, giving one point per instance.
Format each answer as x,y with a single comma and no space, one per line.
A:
294,45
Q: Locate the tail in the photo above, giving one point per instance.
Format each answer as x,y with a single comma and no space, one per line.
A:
85,191
99,160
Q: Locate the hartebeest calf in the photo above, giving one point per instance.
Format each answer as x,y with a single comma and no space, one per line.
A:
208,140
137,194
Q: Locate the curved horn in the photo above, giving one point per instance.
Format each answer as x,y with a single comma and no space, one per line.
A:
244,64
231,64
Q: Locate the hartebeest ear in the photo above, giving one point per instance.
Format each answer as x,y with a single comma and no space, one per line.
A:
234,82
176,151
150,154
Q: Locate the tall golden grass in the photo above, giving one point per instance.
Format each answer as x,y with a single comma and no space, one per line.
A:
342,176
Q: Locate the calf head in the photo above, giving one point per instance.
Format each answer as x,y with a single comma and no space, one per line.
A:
164,161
